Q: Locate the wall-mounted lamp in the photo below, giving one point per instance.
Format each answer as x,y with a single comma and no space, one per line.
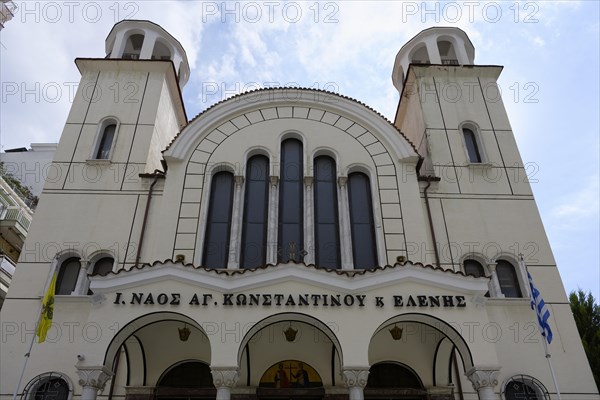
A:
290,333
396,332
184,333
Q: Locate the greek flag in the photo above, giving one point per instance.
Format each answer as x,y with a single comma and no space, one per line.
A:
537,304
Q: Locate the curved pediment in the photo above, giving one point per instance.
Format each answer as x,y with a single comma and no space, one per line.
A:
349,281
231,115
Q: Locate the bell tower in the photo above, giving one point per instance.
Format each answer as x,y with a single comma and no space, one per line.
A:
471,170
127,109
452,110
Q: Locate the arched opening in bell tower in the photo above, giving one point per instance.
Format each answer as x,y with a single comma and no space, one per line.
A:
420,55
161,51
133,47
447,52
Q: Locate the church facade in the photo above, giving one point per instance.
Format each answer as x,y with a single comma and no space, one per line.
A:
288,243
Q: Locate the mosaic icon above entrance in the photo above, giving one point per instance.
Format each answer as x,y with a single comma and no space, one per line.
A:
291,374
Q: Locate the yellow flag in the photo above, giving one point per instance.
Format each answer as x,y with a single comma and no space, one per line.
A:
47,311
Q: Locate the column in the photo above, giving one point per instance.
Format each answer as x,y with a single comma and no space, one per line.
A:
355,379
82,284
236,223
92,380
273,218
433,50
344,218
495,290
309,221
484,379
461,52
148,45
118,46
224,378
521,270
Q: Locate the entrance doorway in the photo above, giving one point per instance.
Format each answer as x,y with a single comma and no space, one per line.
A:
187,380
392,381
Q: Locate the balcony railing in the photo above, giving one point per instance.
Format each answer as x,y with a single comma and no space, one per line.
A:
16,215
14,212
131,56
21,191
450,61
7,265
7,11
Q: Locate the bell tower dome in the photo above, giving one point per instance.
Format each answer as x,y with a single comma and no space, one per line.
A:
145,40
440,45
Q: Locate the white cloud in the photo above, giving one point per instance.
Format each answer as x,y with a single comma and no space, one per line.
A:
580,205
42,40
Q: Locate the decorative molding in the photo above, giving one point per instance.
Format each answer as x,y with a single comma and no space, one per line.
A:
290,272
342,181
308,180
239,180
482,377
220,114
94,377
145,390
225,377
495,289
274,180
356,376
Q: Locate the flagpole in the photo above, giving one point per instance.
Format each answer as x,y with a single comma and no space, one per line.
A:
544,340
548,356
48,279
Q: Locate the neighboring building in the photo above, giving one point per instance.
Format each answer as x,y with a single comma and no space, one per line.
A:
31,166
288,243
7,269
15,218
21,182
7,11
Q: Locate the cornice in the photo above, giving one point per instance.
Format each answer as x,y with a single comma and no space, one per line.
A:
354,110
349,281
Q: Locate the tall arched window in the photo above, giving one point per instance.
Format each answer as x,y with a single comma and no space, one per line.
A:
103,266
256,206
473,268
472,146
327,234
291,203
106,142
362,224
67,276
218,223
507,277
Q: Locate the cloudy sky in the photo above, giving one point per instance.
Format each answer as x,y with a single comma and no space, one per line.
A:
550,83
